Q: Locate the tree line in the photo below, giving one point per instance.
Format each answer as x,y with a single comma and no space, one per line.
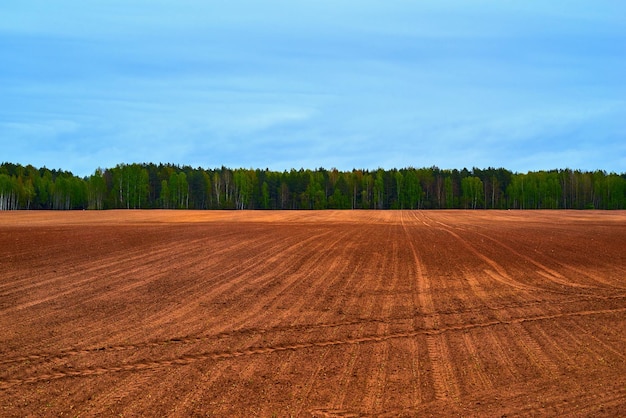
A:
168,186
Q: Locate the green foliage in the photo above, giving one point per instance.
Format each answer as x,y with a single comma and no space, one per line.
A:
130,186
96,190
472,192
134,186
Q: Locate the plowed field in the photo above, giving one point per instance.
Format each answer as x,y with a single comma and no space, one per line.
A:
331,313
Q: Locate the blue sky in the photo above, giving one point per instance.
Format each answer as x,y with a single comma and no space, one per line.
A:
525,85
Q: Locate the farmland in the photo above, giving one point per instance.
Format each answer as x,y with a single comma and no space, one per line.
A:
313,313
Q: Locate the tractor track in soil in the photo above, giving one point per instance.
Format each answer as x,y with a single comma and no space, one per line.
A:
326,314
302,329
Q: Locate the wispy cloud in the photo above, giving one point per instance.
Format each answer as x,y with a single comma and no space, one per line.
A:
281,84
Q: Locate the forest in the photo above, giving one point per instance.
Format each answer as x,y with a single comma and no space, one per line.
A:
168,186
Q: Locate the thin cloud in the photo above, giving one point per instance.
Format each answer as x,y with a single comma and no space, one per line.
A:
283,84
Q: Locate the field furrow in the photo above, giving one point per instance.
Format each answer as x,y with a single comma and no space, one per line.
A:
322,314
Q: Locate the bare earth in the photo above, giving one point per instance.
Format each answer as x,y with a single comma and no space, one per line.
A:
333,313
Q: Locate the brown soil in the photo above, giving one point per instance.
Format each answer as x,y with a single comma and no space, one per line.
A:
333,313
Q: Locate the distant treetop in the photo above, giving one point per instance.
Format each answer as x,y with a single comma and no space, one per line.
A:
168,186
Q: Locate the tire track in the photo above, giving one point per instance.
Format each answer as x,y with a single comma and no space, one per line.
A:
423,286
362,300
436,345
464,292
595,277
466,289
444,380
544,271
502,358
563,358
503,277
508,281
374,400
498,272
482,380
360,376
402,384
534,351
354,285
49,356
325,330
417,377
555,276
346,375
288,271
